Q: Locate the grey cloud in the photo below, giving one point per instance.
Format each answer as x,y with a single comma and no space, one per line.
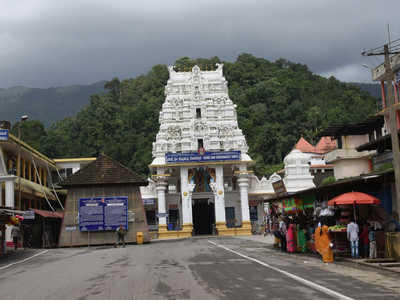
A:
64,42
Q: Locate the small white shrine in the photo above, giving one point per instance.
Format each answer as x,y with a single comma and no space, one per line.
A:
201,183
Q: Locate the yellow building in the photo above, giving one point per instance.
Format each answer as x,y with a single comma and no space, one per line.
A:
25,179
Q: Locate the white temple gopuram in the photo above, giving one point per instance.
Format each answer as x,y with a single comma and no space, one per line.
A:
201,183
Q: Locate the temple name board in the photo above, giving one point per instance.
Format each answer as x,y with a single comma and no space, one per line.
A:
196,157
103,213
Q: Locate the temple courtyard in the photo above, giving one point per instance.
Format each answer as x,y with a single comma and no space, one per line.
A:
195,268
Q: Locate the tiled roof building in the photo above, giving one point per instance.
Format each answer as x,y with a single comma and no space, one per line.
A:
104,170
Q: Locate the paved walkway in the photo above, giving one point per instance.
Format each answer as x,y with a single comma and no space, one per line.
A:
268,239
357,263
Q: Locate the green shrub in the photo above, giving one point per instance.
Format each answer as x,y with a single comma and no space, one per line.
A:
328,180
385,166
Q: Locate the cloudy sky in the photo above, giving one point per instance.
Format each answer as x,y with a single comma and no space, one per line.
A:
47,43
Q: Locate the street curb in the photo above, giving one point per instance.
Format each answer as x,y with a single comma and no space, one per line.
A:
370,265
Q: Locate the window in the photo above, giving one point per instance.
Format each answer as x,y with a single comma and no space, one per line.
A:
200,143
198,113
339,142
151,217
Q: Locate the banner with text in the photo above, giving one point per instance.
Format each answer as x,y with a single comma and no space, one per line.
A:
196,157
103,213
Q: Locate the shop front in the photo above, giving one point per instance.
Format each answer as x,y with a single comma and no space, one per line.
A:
366,212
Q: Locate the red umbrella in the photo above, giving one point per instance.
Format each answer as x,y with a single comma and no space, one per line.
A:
353,198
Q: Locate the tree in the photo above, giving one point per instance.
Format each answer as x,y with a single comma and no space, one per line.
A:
32,132
114,86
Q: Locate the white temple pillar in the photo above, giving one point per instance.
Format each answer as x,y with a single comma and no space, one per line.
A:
9,193
161,187
243,183
219,196
186,193
244,197
10,202
219,202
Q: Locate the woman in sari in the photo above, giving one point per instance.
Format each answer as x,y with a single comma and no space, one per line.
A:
302,241
323,243
291,239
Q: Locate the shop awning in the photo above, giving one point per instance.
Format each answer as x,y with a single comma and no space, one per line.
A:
49,214
354,198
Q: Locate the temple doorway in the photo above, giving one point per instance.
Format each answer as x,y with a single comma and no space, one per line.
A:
203,216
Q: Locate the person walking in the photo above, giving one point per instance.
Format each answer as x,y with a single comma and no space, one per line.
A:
302,245
283,231
323,243
291,239
352,236
120,236
372,244
15,233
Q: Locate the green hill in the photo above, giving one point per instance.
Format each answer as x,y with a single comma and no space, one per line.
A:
373,88
47,105
277,102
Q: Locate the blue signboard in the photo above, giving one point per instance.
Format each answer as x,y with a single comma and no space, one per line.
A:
149,201
3,134
103,213
196,157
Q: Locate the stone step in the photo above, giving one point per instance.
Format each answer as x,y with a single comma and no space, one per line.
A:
380,260
390,265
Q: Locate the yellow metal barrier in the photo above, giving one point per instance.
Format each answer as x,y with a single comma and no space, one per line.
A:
139,238
392,246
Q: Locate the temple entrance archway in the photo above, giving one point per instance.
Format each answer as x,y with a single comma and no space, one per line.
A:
203,216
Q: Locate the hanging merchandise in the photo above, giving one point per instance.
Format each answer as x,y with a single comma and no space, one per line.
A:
308,201
13,220
292,205
326,212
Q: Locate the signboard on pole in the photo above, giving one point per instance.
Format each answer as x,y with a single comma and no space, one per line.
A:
201,157
103,213
149,201
3,134
29,215
162,215
70,228
279,188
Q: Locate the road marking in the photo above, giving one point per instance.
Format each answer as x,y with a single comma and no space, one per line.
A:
295,277
24,260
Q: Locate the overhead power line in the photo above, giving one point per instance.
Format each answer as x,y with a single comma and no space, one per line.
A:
394,48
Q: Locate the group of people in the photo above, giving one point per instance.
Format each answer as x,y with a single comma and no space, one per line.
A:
293,238
367,237
290,236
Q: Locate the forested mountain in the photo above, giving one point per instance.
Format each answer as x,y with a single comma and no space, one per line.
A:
277,102
47,105
373,88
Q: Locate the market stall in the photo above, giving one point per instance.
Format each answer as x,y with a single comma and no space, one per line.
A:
300,212
363,209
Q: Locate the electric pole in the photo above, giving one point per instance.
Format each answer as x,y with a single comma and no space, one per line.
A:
390,115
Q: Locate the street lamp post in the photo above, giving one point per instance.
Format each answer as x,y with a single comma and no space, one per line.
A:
23,118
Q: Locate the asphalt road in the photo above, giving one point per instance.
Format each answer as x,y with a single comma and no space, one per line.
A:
198,268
